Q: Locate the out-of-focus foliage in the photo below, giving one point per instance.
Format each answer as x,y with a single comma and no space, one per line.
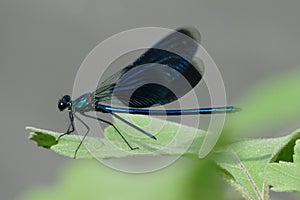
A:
271,104
186,179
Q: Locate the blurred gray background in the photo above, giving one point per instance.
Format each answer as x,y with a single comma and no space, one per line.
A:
42,44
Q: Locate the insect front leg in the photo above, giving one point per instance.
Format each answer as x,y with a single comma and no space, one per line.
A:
70,129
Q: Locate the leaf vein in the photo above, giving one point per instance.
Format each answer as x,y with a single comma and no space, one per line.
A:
244,169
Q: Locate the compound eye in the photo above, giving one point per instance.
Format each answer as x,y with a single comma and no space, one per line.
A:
62,105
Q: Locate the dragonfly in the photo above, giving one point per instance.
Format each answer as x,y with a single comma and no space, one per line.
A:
132,88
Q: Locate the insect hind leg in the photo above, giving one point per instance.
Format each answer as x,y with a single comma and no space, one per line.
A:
111,124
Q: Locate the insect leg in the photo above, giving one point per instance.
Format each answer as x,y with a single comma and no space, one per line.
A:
71,128
111,124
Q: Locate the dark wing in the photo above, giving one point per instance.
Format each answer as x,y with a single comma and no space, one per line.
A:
158,76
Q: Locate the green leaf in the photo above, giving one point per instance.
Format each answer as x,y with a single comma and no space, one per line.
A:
296,156
42,139
285,176
172,139
243,163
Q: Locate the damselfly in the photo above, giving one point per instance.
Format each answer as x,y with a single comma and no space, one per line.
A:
131,86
